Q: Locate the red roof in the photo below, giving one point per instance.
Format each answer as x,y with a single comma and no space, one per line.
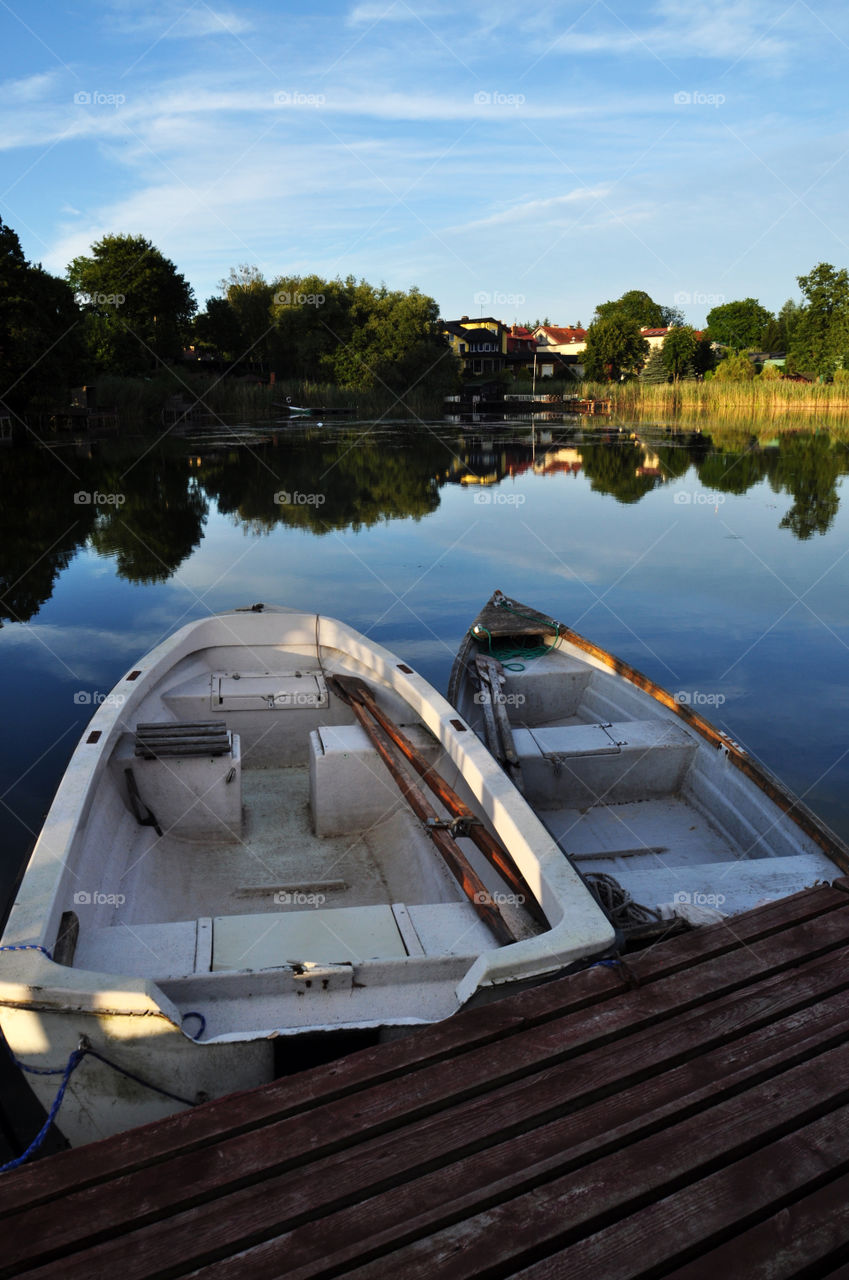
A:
558,335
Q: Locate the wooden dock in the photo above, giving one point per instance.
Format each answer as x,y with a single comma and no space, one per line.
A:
686,1115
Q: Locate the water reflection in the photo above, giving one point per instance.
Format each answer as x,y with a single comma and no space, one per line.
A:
145,507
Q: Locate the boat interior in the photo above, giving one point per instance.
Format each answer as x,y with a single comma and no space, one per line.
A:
251,828
629,790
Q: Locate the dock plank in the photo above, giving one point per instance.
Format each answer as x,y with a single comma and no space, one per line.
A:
524,1136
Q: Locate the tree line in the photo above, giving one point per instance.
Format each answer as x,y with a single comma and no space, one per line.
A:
124,309
812,335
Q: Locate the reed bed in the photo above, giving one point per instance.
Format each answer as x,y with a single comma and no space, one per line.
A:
757,397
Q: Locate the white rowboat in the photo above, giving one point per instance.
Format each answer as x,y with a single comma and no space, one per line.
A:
664,815
228,863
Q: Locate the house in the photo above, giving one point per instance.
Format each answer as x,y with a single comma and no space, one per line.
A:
565,342
480,345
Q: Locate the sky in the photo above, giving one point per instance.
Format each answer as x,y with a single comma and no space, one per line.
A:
522,161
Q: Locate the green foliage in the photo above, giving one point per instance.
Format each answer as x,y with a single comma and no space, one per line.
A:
735,368
739,324
704,357
637,306
841,376
821,336
137,306
616,350
41,349
655,372
771,373
217,331
678,351
362,337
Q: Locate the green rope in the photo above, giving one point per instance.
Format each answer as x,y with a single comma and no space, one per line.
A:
511,659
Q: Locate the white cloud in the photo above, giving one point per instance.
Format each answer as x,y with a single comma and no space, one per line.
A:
29,89
538,211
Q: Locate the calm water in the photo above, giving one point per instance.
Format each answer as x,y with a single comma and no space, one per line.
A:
721,572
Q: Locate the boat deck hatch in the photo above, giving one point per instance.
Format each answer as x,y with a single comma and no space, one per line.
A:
345,935
232,691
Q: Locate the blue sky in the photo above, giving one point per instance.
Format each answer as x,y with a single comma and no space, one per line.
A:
508,159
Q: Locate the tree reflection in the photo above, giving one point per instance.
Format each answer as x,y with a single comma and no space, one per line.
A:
319,480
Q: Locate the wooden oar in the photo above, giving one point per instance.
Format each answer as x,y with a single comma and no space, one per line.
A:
356,691
438,830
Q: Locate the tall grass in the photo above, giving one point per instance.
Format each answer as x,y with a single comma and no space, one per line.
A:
758,397
139,401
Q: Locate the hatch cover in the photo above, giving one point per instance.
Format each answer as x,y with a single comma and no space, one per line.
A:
258,691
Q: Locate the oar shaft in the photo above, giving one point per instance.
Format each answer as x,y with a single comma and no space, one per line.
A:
492,850
458,864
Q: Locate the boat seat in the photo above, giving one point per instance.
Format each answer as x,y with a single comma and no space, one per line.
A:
550,688
350,787
171,950
585,764
187,776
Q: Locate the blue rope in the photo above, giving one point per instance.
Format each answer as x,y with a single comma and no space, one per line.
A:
27,946
202,1020
66,1072
73,1062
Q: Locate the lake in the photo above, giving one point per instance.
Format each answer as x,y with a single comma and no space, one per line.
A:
717,562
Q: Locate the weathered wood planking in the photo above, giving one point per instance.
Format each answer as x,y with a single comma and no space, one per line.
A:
684,1113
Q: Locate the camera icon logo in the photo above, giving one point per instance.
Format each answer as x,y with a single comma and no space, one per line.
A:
82,698
82,98
82,898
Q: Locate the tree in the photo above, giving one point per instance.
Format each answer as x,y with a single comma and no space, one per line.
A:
41,348
251,298
821,337
738,324
704,356
615,350
217,330
138,307
654,371
643,310
678,351
735,368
